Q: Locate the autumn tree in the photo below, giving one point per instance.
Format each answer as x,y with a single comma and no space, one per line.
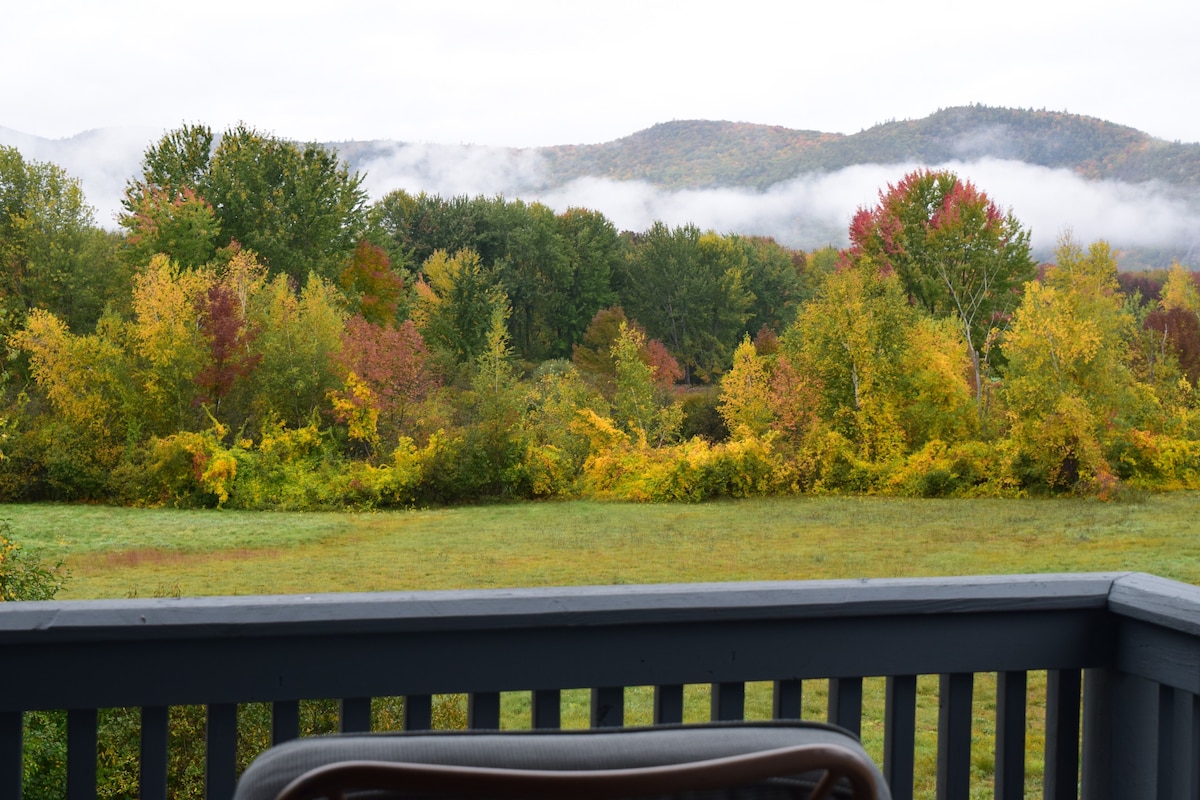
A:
373,286
640,408
495,438
745,402
181,224
229,339
394,363
1181,290
167,343
594,355
1068,384
456,304
956,254
85,378
299,339
296,206
1171,330
850,340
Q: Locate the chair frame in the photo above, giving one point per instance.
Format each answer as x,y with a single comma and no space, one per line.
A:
333,781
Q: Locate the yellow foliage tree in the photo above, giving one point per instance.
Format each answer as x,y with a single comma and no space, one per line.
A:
745,402
1068,379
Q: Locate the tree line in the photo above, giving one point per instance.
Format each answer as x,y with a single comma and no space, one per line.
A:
258,335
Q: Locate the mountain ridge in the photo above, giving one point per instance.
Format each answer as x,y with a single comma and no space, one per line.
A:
699,154
746,154
1058,171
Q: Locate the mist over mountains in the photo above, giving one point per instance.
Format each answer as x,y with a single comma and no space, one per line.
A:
1057,172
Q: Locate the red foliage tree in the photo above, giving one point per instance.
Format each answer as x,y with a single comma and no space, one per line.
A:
229,339
372,285
1180,330
956,253
594,358
394,363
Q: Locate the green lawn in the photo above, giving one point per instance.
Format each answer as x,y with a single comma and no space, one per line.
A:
118,552
115,552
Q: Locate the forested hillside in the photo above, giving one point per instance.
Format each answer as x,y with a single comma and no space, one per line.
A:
702,154
260,334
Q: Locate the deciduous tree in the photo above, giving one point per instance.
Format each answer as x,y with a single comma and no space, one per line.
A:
639,407
745,401
956,253
296,206
850,340
1068,383
394,363
688,289
51,255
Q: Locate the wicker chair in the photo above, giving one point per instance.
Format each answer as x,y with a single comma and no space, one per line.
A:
764,760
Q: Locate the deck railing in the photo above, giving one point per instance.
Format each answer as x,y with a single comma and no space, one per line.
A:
1121,654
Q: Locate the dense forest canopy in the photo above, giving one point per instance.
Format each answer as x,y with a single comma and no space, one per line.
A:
258,334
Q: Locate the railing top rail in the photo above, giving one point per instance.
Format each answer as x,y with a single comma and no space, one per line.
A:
1156,600
497,609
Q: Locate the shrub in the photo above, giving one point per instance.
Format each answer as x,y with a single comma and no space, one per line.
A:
22,575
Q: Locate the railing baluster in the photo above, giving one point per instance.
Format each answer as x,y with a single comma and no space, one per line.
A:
153,768
1010,735
1166,742
483,711
1192,745
668,704
1182,746
546,708
285,721
845,703
354,714
954,736
418,712
787,701
900,735
1061,778
81,753
220,772
12,729
608,707
728,701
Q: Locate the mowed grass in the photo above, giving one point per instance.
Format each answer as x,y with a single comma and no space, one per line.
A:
119,552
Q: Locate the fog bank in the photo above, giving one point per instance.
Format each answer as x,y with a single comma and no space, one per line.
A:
810,211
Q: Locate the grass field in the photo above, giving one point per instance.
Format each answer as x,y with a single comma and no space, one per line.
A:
119,552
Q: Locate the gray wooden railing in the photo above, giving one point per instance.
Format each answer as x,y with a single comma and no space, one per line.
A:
1128,644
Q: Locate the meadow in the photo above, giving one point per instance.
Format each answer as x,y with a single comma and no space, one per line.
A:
122,552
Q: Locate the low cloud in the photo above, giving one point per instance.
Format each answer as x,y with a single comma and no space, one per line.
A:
450,171
103,160
814,210
809,211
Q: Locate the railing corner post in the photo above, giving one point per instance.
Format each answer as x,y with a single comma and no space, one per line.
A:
1120,736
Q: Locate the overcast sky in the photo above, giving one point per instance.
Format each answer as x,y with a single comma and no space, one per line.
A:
543,73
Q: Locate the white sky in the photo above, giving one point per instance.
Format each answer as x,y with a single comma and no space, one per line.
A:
543,73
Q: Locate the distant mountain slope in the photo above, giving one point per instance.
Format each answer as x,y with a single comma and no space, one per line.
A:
692,154
706,154
1046,166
